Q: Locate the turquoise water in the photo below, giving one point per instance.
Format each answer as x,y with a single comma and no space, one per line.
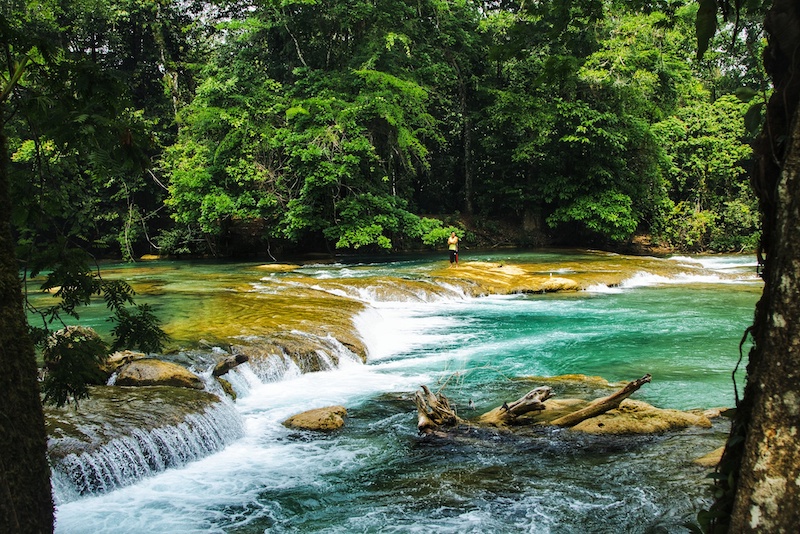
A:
686,338
378,475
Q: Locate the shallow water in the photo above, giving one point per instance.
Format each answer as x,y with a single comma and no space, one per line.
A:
683,325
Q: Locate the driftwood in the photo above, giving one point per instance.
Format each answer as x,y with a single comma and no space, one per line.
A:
601,406
434,410
533,401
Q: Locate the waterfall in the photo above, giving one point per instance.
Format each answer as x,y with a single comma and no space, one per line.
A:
272,369
295,353
125,460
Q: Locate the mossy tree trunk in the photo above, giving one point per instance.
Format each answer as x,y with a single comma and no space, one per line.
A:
762,457
26,503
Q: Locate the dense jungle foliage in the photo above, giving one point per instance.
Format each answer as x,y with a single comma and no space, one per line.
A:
230,126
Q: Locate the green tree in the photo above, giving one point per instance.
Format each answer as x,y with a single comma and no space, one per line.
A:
327,152
65,131
569,128
712,205
76,146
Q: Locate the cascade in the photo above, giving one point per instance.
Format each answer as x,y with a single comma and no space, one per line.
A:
127,459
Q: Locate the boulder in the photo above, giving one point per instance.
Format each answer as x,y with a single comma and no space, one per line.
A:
329,418
120,358
152,372
637,417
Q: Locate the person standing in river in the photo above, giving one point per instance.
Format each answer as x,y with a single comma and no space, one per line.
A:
452,245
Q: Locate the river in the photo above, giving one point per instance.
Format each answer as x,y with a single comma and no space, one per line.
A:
683,325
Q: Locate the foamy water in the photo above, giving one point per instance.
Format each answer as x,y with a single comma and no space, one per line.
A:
724,269
377,474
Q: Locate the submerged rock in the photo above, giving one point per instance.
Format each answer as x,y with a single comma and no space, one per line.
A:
112,412
278,267
502,278
578,386
152,372
274,356
711,459
607,269
291,318
329,418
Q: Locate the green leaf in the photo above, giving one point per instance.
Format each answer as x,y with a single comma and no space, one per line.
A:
705,25
138,329
746,94
293,111
72,357
752,119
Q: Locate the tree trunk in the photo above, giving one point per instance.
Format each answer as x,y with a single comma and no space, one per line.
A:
26,503
762,457
466,134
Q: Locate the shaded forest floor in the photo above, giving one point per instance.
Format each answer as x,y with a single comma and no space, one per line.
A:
496,233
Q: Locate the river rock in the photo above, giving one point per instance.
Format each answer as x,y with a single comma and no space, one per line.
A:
637,417
114,412
711,459
120,358
227,387
329,418
278,267
503,278
152,372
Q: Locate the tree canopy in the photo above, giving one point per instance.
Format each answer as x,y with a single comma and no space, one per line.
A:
217,127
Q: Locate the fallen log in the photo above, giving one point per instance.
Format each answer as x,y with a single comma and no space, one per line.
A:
533,401
602,405
434,410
